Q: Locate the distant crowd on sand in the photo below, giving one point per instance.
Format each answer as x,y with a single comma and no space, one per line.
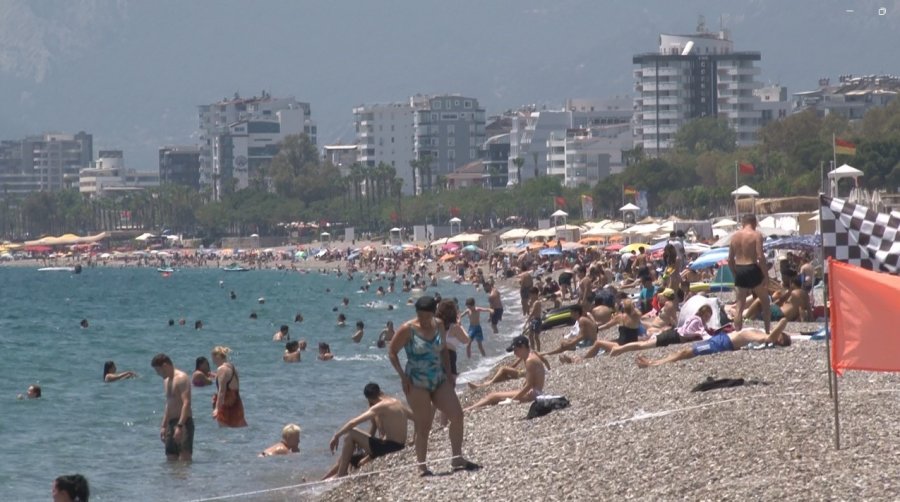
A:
642,297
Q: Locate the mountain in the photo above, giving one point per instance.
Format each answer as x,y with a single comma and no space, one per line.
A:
132,73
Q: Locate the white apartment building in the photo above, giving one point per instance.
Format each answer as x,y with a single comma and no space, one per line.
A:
384,133
586,156
693,76
851,98
773,103
449,130
238,136
108,175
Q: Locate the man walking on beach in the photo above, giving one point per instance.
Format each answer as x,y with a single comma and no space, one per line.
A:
496,304
388,417
177,428
526,282
534,377
747,262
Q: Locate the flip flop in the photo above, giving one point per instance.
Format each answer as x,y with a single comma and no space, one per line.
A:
426,473
468,466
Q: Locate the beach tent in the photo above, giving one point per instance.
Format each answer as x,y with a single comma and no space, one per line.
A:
693,304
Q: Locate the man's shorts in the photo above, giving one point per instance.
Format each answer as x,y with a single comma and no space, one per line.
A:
475,333
496,316
187,439
717,343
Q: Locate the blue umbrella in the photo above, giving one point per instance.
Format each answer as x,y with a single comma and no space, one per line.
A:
795,243
709,258
353,256
550,252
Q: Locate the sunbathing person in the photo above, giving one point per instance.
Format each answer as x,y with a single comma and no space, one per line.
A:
667,315
723,342
693,329
534,377
587,332
793,306
507,373
630,328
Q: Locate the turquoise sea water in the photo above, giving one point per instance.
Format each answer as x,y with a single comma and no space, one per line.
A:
109,431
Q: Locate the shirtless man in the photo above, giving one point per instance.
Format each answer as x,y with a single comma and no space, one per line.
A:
177,428
291,352
388,417
585,287
476,334
290,442
587,332
506,373
748,264
793,306
534,377
495,303
526,282
281,334
723,342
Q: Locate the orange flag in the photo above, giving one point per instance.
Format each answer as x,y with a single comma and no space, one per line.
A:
864,318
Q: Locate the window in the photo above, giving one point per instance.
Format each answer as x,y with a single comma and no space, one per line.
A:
467,104
437,104
392,139
451,141
471,153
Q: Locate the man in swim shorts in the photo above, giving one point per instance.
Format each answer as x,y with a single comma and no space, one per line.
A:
177,428
387,434
723,342
587,332
495,303
748,264
534,377
476,334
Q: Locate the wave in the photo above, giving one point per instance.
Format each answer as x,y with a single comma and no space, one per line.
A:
362,357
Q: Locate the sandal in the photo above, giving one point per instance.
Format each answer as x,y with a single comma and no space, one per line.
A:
467,466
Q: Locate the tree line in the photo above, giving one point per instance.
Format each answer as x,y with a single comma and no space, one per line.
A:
693,180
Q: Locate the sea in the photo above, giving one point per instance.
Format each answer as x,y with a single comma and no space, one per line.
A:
109,432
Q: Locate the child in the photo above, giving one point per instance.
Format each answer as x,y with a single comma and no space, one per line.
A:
475,332
534,319
357,337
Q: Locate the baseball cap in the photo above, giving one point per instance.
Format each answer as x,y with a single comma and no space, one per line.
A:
426,304
519,341
668,293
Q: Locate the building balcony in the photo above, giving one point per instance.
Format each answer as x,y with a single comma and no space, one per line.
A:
661,72
738,70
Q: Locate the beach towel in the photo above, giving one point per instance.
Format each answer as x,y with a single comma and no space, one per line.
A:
543,405
723,383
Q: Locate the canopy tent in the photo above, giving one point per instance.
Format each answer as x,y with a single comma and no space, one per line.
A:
465,238
144,236
845,171
745,191
598,231
641,229
629,207
725,223
514,234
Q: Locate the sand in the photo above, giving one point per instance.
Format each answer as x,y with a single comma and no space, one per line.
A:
635,433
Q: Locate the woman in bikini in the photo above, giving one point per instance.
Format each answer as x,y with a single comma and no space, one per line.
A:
425,381
228,409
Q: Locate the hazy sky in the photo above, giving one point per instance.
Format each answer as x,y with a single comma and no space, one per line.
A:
133,72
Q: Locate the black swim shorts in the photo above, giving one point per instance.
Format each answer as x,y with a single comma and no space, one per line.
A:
748,276
668,337
381,447
187,440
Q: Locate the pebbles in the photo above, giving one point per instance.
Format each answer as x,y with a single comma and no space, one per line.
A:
635,433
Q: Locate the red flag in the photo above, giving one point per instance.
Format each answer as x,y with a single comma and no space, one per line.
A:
394,216
844,147
630,190
454,211
746,168
560,202
864,317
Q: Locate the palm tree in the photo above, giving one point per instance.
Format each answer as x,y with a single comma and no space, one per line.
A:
518,162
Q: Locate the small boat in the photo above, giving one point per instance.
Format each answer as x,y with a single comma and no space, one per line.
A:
165,270
75,270
234,267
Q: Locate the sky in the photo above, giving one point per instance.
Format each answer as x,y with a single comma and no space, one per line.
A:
133,72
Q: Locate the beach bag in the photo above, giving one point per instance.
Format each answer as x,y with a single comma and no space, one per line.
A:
543,405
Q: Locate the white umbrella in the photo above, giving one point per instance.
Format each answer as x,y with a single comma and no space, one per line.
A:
629,207
845,171
744,190
601,232
465,238
725,223
516,233
559,213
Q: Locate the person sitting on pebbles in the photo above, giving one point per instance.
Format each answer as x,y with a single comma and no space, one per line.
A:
723,342
534,377
506,373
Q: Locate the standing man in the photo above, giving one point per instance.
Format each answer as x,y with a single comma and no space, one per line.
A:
526,282
177,428
496,304
747,262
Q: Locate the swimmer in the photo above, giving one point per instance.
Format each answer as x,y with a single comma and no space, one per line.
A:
345,301
33,392
341,320
253,315
233,296
221,284
298,317
202,375
198,325
290,442
325,352
182,322
261,300
84,324
71,488
110,375
171,322
292,352
386,335
357,337
281,334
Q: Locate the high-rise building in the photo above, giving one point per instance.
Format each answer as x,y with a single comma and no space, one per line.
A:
241,135
384,134
449,131
180,165
48,162
694,76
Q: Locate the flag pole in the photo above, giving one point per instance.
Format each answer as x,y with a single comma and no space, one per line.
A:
831,392
735,175
832,192
832,376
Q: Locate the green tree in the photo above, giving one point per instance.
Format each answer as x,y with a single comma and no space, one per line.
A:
704,134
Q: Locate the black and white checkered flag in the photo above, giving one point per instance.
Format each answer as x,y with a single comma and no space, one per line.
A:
855,234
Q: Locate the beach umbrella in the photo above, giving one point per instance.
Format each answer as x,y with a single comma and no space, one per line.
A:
710,258
633,247
450,246
472,248
550,252
725,223
353,256
447,257
613,247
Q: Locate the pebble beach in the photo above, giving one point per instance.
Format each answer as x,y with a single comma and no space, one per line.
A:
634,433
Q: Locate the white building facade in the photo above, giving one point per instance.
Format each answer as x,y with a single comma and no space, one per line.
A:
694,76
108,175
384,134
448,130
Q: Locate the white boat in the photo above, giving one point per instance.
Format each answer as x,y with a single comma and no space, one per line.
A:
165,270
75,270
